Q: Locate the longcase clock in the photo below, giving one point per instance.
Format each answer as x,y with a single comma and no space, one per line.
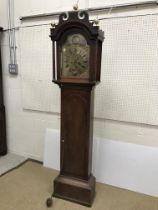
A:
77,48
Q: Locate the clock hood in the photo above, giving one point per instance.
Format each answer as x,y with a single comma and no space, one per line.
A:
76,20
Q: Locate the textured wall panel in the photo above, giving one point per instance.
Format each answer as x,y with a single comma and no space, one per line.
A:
128,91
129,87
39,93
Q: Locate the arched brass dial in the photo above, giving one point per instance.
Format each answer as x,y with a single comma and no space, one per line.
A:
75,57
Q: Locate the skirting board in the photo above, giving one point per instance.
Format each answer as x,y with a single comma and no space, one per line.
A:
121,164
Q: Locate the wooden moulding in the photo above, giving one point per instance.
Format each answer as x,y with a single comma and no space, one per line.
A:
78,191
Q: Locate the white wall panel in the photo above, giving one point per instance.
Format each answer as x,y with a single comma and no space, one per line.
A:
50,5
93,3
30,7
3,13
120,164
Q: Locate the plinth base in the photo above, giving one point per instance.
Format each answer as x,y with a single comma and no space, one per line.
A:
78,191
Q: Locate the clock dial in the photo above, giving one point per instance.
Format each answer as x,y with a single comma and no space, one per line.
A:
75,57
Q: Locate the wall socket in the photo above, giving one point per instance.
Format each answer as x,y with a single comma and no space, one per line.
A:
13,69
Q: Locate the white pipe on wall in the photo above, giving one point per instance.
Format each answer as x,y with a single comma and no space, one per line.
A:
11,31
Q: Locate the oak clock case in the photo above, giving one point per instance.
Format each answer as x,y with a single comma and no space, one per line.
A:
77,48
3,146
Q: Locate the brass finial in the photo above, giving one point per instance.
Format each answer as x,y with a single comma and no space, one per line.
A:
96,21
75,7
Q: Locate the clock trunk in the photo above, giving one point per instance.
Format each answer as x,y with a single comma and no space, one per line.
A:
76,145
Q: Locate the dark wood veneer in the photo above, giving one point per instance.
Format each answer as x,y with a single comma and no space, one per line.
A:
75,181
3,146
